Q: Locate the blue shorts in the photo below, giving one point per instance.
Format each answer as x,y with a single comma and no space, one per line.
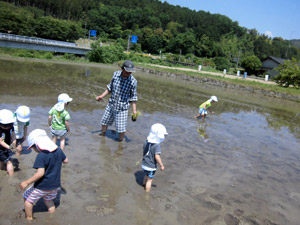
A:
150,174
202,111
111,115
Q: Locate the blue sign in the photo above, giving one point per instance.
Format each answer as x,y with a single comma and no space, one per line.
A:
134,39
93,33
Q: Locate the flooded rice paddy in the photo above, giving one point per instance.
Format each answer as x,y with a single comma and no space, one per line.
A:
240,166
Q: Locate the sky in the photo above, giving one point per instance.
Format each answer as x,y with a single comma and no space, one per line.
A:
274,18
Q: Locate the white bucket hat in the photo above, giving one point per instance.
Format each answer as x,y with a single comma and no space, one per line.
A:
214,98
157,133
64,98
6,116
23,113
39,138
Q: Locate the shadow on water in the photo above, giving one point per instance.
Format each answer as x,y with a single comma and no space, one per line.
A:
139,177
40,206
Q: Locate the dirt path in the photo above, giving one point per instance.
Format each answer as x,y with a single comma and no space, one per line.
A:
216,74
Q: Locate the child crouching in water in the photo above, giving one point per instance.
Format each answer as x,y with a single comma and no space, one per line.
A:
151,153
46,179
22,121
7,136
205,106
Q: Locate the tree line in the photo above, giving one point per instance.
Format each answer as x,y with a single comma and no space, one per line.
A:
159,26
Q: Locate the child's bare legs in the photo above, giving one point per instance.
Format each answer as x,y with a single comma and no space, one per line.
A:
28,210
54,139
50,205
10,168
197,116
148,183
62,142
19,149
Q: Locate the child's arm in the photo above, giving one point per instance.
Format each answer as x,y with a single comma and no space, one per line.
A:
3,144
66,161
49,120
67,126
158,159
38,175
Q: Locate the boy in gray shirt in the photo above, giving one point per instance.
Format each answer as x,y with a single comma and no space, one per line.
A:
151,153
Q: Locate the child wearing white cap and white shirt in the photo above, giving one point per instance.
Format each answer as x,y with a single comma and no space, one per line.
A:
21,124
151,153
205,106
46,179
58,119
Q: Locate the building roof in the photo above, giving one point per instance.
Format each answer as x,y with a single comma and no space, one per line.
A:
278,60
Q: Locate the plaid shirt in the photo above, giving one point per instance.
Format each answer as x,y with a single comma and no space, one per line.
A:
123,91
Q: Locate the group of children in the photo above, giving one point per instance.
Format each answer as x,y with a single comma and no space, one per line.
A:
13,132
46,180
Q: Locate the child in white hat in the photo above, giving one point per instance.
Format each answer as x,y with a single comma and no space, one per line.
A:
151,153
205,106
22,121
7,136
58,119
46,179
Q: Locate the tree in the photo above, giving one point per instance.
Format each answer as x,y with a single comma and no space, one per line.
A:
251,64
222,63
108,54
289,73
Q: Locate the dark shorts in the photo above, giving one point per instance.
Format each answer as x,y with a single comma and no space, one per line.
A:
5,155
150,174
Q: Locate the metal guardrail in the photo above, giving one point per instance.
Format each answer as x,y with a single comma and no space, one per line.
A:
33,40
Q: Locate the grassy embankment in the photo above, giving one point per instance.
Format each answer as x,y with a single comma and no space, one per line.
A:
11,52
241,82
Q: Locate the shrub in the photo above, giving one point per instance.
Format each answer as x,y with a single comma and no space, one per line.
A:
251,64
108,54
222,63
289,73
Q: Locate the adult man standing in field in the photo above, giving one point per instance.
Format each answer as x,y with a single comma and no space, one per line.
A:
123,88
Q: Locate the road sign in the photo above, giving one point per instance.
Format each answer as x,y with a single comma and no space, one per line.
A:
134,39
93,33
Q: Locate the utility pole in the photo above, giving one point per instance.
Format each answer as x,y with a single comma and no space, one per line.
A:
179,55
128,43
237,63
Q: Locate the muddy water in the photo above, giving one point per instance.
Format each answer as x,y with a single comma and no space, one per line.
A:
240,166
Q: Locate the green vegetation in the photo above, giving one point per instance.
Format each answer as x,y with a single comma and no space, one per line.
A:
160,27
289,74
251,64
